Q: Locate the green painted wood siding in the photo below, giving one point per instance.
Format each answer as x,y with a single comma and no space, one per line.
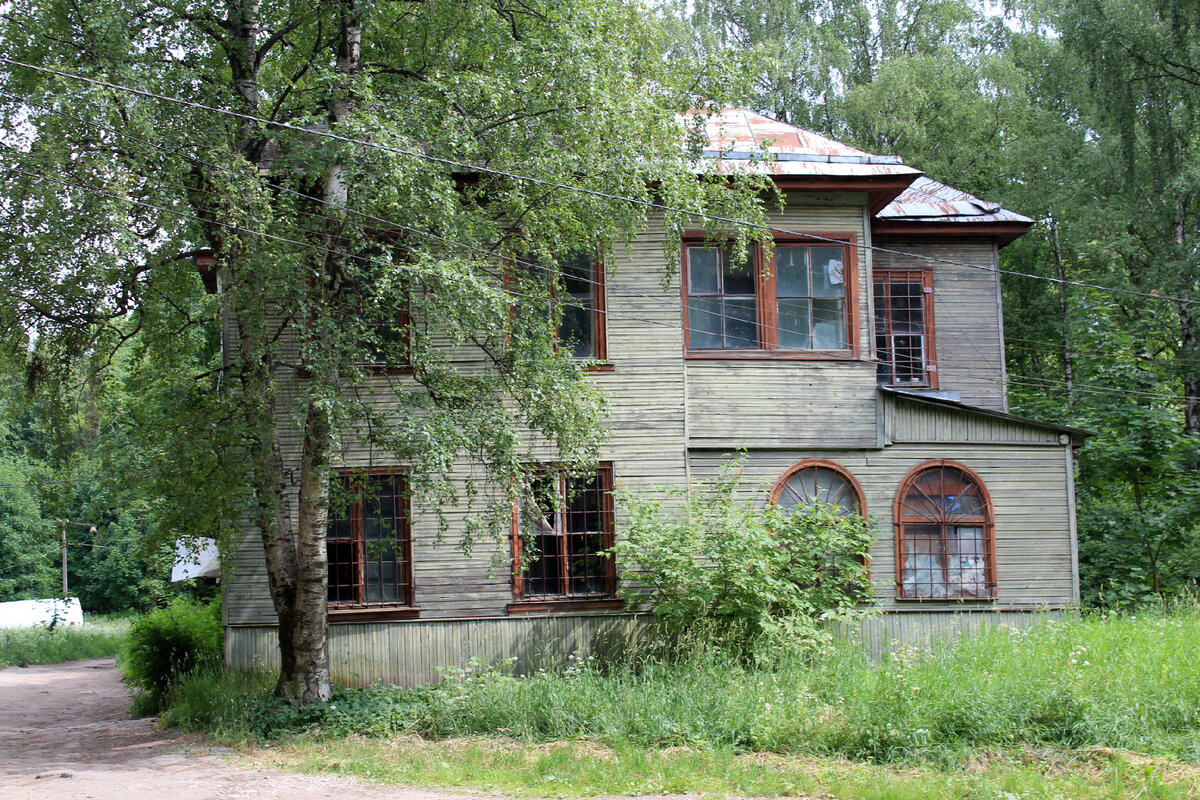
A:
966,314
1028,487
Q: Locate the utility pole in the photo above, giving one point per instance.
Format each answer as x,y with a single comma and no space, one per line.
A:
65,523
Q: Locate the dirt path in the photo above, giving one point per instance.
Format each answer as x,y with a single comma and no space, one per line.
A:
65,735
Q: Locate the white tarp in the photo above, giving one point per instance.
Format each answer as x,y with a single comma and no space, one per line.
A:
27,613
196,562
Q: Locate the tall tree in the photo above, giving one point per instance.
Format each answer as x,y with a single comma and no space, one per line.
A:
325,165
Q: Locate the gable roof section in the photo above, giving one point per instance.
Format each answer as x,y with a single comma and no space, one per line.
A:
800,159
903,200
929,208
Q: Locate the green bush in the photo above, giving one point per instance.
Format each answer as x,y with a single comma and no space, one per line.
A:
731,568
167,644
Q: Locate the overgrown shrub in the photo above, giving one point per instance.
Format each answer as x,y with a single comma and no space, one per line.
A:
167,644
727,565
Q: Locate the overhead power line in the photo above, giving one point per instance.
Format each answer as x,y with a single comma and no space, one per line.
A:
407,268
478,168
989,374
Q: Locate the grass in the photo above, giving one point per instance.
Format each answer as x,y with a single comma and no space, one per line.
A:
1091,706
579,769
96,638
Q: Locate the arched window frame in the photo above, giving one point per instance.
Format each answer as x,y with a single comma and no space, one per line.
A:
825,463
988,522
855,487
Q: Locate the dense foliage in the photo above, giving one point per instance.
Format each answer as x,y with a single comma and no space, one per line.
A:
722,564
166,645
301,172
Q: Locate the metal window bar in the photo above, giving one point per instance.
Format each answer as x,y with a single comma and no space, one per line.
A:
901,328
368,543
945,537
561,550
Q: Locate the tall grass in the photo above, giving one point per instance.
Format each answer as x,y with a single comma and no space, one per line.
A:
1130,682
96,638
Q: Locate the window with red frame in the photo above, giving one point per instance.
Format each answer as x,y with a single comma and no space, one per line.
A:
904,328
562,533
802,301
368,541
944,535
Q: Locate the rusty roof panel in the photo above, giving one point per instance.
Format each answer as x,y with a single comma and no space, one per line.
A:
928,200
743,141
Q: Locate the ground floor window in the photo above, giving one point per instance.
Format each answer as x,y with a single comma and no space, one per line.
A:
368,541
944,535
562,531
816,480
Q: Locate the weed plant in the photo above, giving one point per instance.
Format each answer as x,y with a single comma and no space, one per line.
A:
98,637
1098,680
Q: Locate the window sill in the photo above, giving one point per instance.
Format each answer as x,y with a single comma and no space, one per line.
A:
373,613
951,600
771,355
370,370
566,604
598,366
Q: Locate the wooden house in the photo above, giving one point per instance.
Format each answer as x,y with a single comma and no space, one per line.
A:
867,368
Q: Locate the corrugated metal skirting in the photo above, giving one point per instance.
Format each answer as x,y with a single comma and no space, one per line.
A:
414,653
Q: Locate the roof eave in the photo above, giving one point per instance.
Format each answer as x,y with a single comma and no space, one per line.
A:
881,189
1003,232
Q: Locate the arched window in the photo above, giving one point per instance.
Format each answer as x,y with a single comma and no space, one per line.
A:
944,542
825,481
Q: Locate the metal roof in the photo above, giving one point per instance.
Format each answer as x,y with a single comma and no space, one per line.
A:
928,200
1078,435
743,141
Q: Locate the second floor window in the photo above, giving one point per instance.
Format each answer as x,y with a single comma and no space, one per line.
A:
904,328
582,329
802,301
577,293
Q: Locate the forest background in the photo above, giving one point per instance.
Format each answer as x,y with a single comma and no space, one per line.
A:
1084,115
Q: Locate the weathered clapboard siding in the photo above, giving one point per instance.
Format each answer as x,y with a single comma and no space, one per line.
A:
802,403
1028,487
781,403
646,445
906,420
966,314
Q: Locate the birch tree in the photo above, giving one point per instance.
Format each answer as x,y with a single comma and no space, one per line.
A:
298,174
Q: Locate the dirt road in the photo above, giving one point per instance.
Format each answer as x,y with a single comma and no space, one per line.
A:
65,735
